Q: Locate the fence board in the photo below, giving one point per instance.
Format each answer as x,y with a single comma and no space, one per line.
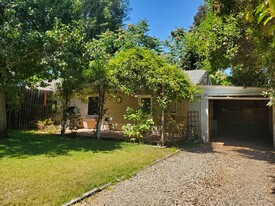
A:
35,105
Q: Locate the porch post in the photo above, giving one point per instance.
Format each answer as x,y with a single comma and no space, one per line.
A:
204,118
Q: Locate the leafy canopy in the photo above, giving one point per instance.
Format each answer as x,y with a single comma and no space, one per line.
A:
230,34
138,69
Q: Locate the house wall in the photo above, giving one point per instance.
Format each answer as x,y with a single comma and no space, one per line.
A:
195,106
82,106
113,109
182,109
205,79
117,110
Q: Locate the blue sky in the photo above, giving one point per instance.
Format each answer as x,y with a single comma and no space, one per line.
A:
164,16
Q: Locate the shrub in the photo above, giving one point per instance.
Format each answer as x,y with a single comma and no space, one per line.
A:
73,122
47,125
142,123
174,129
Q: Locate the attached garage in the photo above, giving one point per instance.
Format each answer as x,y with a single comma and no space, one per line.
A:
240,119
237,113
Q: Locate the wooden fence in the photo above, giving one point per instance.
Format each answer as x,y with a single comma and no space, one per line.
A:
35,105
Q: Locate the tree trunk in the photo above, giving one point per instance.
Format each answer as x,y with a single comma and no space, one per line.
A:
101,102
64,115
3,116
162,128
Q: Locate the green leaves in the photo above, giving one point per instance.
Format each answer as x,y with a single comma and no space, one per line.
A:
263,13
271,94
141,123
225,39
35,30
215,40
210,45
219,78
136,70
136,35
272,7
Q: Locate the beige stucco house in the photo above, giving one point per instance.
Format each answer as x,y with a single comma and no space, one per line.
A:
220,111
115,108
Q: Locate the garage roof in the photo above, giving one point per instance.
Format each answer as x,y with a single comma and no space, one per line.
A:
199,77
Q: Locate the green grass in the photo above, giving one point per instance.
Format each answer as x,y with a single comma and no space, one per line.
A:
41,169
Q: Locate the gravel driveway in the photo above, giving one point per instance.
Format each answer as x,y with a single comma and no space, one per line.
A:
212,174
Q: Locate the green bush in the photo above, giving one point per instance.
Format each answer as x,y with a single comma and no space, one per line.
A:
174,129
47,125
73,122
142,123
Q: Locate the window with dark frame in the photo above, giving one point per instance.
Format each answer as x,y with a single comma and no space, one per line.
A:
146,104
92,106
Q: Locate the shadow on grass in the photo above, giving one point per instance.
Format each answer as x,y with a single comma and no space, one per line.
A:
22,144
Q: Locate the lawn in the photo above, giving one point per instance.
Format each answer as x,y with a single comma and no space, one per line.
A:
42,169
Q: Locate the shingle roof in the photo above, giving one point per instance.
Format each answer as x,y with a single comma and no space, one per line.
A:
196,76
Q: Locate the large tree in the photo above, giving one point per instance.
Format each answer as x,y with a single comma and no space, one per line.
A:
253,62
182,50
231,34
24,29
265,14
102,49
138,70
64,57
137,35
96,75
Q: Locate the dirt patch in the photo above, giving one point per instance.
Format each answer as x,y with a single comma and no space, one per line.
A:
118,135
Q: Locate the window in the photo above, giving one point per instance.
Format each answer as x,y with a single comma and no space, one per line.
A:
146,102
92,106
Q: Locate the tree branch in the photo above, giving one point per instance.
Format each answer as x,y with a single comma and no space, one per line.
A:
22,59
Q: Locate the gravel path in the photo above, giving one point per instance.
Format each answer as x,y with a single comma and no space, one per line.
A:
208,175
